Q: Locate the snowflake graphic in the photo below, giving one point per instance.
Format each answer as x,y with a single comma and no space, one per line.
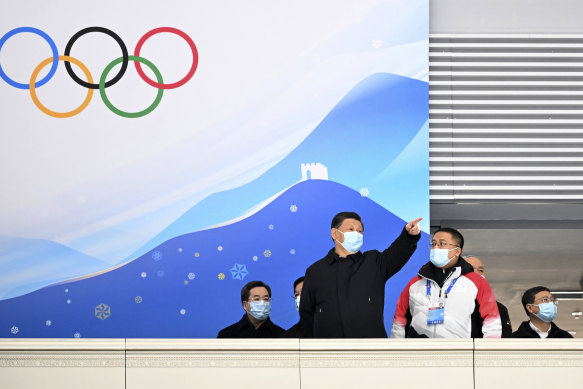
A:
48,323
221,276
14,330
77,335
271,226
138,299
102,311
255,258
293,208
377,43
196,255
144,274
183,311
191,276
239,271
157,255
69,301
267,253
220,248
292,251
180,249
364,192
66,290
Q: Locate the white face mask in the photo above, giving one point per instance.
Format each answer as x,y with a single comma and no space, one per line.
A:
440,257
352,241
298,303
260,309
547,312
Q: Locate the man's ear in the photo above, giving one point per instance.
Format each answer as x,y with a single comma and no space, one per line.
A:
336,236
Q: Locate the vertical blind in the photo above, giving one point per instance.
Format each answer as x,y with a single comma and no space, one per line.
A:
506,118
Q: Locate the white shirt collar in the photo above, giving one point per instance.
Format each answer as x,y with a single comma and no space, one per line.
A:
539,332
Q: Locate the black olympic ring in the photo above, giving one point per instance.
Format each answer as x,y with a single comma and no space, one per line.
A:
124,50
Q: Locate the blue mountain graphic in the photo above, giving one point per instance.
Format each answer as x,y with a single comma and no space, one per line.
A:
28,264
357,140
190,285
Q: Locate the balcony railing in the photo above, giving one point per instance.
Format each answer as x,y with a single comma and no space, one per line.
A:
289,363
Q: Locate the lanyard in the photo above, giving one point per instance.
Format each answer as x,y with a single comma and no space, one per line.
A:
446,292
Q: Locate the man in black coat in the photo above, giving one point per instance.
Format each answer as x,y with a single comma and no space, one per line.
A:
541,308
255,323
295,331
344,292
477,320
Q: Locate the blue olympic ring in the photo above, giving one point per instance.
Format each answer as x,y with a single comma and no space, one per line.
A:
47,38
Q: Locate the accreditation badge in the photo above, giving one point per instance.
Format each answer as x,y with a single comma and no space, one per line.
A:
436,313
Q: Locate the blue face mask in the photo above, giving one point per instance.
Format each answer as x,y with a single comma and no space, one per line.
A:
547,312
439,257
260,309
352,241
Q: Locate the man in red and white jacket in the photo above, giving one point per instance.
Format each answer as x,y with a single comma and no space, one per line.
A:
439,301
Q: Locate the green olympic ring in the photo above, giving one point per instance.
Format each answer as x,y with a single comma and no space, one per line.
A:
119,112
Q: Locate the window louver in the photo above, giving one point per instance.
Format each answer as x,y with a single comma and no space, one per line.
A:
506,118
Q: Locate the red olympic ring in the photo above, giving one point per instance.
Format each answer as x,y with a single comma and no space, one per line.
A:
183,36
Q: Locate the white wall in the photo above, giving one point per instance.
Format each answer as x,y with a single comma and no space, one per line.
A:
505,16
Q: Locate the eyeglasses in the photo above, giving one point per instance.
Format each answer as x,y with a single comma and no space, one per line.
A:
257,299
440,244
547,299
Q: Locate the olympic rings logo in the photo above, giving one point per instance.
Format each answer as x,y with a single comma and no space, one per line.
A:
103,84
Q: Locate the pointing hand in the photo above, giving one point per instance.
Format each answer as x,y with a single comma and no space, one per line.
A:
413,227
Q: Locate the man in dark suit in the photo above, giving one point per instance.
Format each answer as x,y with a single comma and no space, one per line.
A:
296,330
255,323
344,292
479,268
541,308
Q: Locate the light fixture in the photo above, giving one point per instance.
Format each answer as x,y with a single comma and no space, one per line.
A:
567,295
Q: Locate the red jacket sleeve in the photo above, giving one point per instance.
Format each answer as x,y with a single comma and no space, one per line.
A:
492,326
400,319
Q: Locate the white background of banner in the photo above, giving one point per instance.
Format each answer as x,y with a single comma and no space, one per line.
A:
268,72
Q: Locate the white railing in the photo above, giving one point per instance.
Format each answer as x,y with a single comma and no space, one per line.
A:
289,363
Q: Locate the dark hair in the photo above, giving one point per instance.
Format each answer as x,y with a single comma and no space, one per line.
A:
246,291
296,282
455,235
528,296
340,217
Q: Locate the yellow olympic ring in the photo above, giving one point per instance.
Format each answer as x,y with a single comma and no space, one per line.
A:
48,111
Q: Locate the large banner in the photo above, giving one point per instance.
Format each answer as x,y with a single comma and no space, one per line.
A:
157,155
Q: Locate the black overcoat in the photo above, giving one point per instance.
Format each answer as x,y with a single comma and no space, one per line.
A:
345,297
